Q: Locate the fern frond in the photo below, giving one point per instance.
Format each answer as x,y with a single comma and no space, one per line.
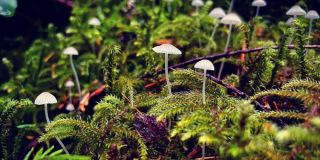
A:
304,97
68,134
73,123
285,115
306,84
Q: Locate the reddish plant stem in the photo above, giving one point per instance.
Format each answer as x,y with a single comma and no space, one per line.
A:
194,152
230,88
223,55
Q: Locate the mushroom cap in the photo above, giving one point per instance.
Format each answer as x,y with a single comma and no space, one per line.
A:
289,21
70,107
312,14
94,21
231,18
197,3
296,10
166,48
169,0
69,83
45,98
259,3
70,51
204,64
217,13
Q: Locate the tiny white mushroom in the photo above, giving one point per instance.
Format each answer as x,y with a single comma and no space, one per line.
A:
205,65
47,98
312,14
72,51
70,107
197,4
94,21
230,19
289,21
167,49
296,11
216,13
258,4
69,84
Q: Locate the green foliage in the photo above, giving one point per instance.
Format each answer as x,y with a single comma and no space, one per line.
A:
275,120
11,136
110,125
110,64
40,155
301,51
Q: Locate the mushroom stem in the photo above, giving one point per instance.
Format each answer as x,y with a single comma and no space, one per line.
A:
70,99
214,29
204,87
213,33
203,150
199,40
197,9
75,76
258,9
48,121
309,34
231,6
225,50
153,6
167,74
169,7
94,45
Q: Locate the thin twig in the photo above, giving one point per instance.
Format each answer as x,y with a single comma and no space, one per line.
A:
230,88
223,55
233,89
132,105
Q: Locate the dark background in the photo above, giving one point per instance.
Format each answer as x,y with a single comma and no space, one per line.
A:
33,16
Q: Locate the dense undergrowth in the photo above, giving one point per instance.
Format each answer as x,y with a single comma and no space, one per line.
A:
265,107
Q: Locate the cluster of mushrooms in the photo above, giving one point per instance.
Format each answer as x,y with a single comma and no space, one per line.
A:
220,17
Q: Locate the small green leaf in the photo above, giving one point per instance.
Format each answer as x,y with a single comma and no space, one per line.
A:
29,154
8,7
25,125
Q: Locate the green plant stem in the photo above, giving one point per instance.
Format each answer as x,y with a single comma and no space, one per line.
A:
48,121
75,76
166,72
309,34
204,87
225,50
